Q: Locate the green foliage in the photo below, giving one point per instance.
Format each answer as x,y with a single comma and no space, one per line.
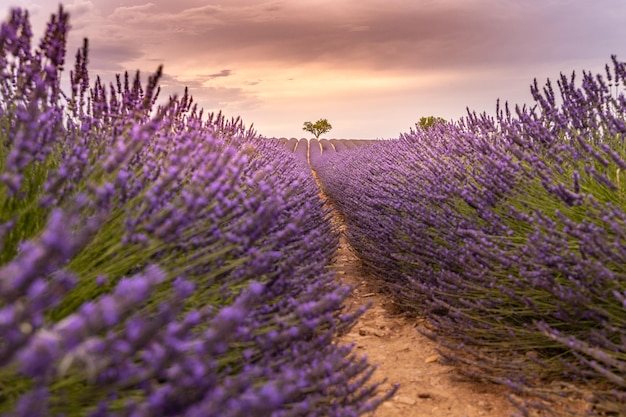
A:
428,122
23,210
318,128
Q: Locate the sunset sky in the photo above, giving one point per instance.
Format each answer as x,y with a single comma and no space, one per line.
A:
371,67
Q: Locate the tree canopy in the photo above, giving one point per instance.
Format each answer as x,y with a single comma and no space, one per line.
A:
320,127
428,122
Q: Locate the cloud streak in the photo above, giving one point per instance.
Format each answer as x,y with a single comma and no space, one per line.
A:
258,55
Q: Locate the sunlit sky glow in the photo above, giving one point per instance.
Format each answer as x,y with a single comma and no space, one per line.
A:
371,67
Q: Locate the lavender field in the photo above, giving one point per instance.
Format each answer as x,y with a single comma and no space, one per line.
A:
508,234
159,261
156,262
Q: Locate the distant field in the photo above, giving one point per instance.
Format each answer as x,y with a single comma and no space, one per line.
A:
311,148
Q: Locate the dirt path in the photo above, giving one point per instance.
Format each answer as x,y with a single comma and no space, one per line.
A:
428,387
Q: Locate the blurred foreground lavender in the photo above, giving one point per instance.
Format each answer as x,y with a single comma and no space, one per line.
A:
155,262
509,235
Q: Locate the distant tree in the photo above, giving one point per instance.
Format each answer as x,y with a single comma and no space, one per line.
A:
430,121
320,127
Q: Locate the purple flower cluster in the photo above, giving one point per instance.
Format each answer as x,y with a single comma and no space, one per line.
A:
156,261
508,233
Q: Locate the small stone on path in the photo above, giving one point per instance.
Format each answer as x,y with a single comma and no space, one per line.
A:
404,400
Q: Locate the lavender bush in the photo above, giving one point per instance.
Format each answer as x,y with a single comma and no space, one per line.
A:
340,145
155,261
302,150
315,152
507,233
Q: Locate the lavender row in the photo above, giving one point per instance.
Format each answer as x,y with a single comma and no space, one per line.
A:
508,233
156,261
